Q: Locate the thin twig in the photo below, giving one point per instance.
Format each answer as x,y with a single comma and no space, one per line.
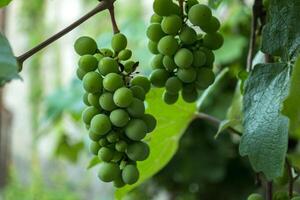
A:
215,122
100,7
291,178
113,19
181,8
269,190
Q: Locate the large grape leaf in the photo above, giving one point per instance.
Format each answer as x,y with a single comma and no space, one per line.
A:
291,106
4,3
265,137
8,62
171,123
281,35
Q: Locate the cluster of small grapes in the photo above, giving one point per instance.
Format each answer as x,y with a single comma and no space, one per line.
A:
183,58
115,116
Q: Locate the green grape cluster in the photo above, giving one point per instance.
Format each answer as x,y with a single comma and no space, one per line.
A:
115,115
183,57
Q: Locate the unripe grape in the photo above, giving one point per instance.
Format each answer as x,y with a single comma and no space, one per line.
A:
100,124
92,82
170,98
169,63
189,96
150,122
106,101
117,156
159,77
141,81
281,195
103,142
213,40
125,54
189,4
85,99
155,18
171,24
138,92
187,75
105,154
128,66
88,63
80,73
108,171
123,97
209,55
205,77
119,42
136,129
98,56
88,114
121,146
108,65
199,58
184,58
175,9
113,137
112,82
154,32
152,46
255,196
94,135
157,62
168,45
173,85
94,100
118,182
199,14
136,108
85,45
106,52
94,148
188,35
211,27
130,174
162,7
138,151
119,117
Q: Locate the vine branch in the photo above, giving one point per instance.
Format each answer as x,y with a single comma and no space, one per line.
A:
291,178
215,122
100,7
111,10
269,190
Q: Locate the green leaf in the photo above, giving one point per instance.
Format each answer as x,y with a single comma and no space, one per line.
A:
8,62
172,120
265,137
281,35
294,159
4,3
93,162
214,3
291,106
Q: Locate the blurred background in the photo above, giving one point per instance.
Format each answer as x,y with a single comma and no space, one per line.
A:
45,143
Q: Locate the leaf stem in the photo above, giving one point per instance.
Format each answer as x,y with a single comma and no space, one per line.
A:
215,122
100,7
111,10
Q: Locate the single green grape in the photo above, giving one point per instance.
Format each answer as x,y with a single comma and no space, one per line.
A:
88,114
138,92
184,58
211,27
169,63
130,174
168,45
141,81
85,45
94,148
199,15
199,58
106,154
171,24
189,96
136,108
119,42
136,129
113,137
213,41
108,65
94,135
92,82
94,100
85,99
255,196
173,85
170,98
108,171
187,75
88,63
121,146
100,124
189,4
150,122
106,101
118,182
119,117
125,54
103,142
98,56
205,77
106,52
155,32
155,18
123,97
152,46
162,7
157,62
159,77
80,73
138,151
188,35
112,82
118,156
128,66
209,55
